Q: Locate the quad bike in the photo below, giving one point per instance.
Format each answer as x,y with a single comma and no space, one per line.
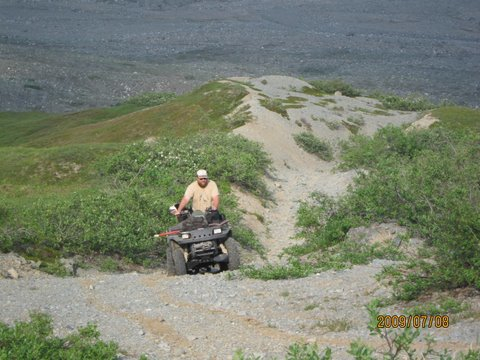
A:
201,242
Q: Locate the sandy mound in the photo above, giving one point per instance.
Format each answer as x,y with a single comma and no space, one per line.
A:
297,173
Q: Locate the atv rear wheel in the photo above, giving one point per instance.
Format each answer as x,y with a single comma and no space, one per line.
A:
179,266
233,249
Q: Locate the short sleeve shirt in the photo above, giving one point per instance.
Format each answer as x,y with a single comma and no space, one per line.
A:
202,197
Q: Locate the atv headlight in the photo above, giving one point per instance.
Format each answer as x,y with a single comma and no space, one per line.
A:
186,235
217,231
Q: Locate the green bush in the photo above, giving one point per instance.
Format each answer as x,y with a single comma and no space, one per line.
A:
408,103
139,184
229,158
428,181
312,144
424,180
331,86
276,272
34,340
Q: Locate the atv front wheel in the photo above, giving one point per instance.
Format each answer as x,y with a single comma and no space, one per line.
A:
233,249
170,263
178,260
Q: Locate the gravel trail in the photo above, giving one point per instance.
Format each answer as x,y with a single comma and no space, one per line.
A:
210,316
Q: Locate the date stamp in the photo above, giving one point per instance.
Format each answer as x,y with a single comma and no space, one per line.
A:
416,321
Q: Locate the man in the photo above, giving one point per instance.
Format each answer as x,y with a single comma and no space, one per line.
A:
204,193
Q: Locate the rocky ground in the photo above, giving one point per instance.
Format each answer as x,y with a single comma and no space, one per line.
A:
66,55
210,316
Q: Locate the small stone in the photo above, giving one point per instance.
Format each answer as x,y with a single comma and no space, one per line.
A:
12,274
338,93
141,332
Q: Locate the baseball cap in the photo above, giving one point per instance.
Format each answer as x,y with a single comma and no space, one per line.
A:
202,173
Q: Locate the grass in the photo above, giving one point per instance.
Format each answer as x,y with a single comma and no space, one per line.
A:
332,125
310,307
313,145
458,118
333,325
374,111
353,128
201,109
408,103
53,165
239,118
275,105
331,86
442,307
357,120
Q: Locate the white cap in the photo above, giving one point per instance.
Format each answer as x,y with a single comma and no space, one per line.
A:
202,173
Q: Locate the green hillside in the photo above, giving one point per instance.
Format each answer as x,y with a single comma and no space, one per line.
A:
201,109
78,184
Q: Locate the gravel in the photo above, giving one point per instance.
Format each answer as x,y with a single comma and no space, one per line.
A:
65,55
210,316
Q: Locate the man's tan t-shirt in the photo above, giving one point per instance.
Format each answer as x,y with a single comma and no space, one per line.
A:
202,197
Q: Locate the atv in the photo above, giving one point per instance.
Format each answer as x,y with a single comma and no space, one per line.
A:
201,242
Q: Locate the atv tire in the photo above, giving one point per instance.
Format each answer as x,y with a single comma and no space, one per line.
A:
179,265
170,263
233,249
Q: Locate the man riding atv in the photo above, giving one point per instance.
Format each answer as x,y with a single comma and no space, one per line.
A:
202,240
204,193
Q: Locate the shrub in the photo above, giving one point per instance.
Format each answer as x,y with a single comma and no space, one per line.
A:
331,86
314,145
409,103
230,158
424,180
275,105
33,340
120,217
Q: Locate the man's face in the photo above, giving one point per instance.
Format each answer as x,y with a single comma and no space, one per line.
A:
202,181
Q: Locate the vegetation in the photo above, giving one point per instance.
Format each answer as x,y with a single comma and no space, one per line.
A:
66,191
150,99
425,180
328,87
408,103
332,125
34,340
310,143
458,118
275,105
399,344
139,183
201,109
239,118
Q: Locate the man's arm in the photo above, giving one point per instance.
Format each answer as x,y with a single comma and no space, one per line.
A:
182,205
215,202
